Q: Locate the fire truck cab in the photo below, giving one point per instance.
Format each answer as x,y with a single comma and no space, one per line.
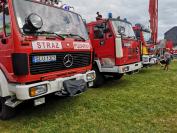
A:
146,45
44,49
115,47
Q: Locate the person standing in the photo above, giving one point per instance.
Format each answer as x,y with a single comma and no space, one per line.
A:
99,16
158,56
167,58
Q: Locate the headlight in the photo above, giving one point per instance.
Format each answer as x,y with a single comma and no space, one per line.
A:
37,90
91,76
145,59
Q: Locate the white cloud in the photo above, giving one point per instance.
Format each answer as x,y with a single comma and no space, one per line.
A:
135,11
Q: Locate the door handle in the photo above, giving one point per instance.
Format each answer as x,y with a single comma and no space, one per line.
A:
4,41
102,43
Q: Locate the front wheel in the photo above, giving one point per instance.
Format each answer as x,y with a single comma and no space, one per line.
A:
6,112
99,80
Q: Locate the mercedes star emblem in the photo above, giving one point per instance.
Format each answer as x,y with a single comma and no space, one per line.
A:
68,60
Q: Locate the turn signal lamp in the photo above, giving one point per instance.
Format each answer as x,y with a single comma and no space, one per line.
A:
37,90
91,76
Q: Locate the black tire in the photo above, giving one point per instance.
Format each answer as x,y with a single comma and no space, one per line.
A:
118,76
6,112
99,80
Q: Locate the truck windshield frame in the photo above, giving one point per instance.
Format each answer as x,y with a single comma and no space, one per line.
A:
128,28
55,19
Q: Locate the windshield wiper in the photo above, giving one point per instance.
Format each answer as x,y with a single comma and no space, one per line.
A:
47,32
71,35
78,36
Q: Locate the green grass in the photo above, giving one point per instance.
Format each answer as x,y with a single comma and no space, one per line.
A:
139,103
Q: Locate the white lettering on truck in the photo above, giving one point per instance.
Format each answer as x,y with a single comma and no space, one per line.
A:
81,45
46,45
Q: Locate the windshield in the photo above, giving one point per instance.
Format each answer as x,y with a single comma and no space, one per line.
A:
128,28
147,36
54,19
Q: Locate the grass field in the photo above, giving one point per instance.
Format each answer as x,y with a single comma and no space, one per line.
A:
140,103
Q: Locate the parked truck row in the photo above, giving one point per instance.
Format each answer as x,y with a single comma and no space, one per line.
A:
47,49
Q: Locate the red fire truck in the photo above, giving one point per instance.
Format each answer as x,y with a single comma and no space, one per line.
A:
115,48
43,49
169,45
148,37
146,45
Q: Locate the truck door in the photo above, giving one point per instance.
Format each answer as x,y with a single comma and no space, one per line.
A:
99,39
5,38
109,41
102,40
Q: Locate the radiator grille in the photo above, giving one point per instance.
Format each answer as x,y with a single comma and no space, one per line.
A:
80,59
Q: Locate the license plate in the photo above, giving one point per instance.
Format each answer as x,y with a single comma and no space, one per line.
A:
43,59
90,84
39,101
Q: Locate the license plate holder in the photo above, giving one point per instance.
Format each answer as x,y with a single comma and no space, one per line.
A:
44,59
39,101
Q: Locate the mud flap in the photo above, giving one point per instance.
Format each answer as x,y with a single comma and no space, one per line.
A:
74,87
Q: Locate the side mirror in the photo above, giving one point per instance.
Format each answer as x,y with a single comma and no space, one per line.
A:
6,11
85,21
138,34
33,23
1,8
121,30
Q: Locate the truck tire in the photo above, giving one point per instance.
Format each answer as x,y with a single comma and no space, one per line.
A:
6,112
118,76
99,80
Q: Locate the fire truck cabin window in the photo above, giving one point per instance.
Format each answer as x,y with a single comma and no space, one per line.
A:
7,21
99,32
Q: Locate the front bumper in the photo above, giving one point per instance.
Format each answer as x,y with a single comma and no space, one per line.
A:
122,69
22,91
149,59
130,67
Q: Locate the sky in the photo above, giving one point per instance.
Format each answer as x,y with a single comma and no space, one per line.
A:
136,11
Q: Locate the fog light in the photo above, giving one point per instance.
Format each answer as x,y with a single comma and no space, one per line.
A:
37,90
91,76
125,69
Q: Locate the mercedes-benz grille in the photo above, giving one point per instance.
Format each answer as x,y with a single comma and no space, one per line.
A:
60,62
